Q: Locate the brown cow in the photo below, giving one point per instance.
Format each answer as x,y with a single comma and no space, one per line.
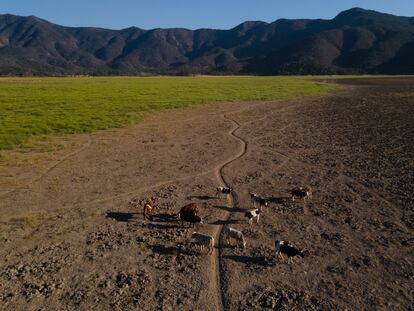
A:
189,213
149,208
191,208
301,192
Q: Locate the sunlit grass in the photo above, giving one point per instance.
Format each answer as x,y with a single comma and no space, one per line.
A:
29,220
32,108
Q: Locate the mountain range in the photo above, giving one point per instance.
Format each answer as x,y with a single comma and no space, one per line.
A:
355,41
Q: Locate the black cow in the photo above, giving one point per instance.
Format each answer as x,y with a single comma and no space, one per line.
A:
258,199
285,248
190,218
223,190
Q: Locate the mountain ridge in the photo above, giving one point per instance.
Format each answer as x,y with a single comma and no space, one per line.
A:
355,41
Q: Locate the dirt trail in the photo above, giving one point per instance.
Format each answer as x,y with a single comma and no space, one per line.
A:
232,202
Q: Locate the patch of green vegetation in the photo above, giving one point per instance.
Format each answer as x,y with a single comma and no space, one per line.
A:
3,236
359,76
31,108
32,220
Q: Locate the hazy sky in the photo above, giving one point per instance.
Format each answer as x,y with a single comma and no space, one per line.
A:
223,14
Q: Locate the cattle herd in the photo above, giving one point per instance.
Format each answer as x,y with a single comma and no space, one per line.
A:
190,214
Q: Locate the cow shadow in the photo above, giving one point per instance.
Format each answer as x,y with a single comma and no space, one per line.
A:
251,260
163,226
224,222
200,197
173,250
120,216
278,200
165,250
163,217
230,209
229,245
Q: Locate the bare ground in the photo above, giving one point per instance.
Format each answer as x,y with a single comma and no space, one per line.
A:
73,237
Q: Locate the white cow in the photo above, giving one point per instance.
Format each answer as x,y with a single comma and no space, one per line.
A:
250,215
234,234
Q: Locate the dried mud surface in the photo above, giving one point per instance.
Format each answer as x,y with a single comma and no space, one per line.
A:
72,235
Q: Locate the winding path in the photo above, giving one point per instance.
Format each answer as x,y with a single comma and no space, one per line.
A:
216,282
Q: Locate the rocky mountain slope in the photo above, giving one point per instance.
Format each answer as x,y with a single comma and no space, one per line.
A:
355,41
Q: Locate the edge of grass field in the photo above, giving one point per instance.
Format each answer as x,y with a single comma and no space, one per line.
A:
31,141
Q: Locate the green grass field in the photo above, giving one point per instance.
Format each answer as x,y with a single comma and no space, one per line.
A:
31,108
